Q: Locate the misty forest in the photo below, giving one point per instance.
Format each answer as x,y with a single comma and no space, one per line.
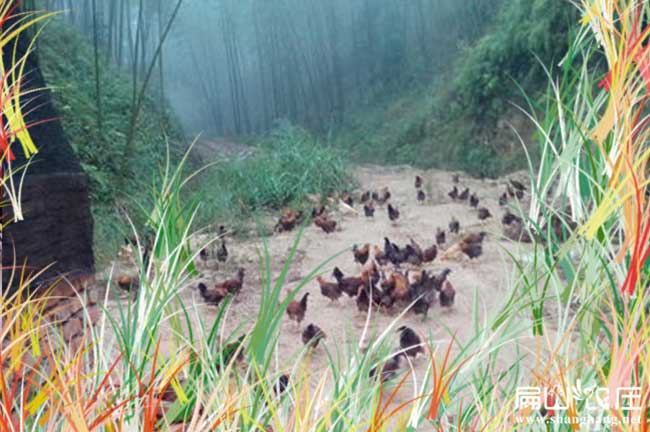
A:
324,215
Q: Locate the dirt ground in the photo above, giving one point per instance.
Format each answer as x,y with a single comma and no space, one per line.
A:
342,322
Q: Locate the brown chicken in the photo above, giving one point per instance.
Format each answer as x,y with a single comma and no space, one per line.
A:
447,294
421,196
331,290
389,369
474,237
393,213
222,253
349,285
363,299
297,309
382,196
472,250
418,182
128,283
365,197
312,335
410,342
401,287
318,211
361,254
473,200
326,224
454,226
213,297
484,213
369,210
430,254
233,286
288,220
441,237
464,194
453,193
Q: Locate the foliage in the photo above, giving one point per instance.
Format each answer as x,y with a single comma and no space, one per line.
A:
285,168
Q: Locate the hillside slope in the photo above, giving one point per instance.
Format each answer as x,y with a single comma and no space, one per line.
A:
462,119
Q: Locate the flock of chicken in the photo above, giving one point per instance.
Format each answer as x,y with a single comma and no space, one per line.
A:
391,276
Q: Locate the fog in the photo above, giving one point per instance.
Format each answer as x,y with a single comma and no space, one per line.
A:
236,67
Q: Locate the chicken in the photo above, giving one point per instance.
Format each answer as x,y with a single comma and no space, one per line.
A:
393,213
472,250
473,200
410,342
440,237
347,199
509,218
455,178
213,297
484,213
389,369
379,255
204,254
281,385
515,230
128,283
326,224
365,197
453,193
418,182
312,335
439,279
382,196
517,185
222,253
430,254
361,254
503,199
424,303
288,220
421,196
400,291
464,194
348,285
363,299
297,309
369,210
318,211
221,232
474,237
233,286
447,294
330,290
454,226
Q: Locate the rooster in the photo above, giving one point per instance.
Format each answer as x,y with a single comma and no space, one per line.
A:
369,210
454,226
297,309
326,224
418,182
393,213
330,290
421,196
361,254
312,335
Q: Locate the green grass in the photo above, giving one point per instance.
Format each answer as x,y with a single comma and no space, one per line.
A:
285,168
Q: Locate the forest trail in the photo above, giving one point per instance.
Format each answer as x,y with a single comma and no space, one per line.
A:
489,275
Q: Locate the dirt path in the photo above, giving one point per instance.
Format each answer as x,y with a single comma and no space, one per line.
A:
343,323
